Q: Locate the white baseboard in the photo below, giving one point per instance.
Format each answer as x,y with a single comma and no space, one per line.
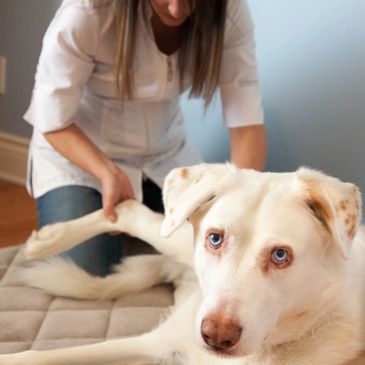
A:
13,158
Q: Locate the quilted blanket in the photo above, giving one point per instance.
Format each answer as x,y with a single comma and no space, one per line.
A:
32,319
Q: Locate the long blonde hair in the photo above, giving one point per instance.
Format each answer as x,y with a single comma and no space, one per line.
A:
201,48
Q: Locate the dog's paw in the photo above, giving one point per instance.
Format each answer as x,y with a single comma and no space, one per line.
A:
128,211
45,241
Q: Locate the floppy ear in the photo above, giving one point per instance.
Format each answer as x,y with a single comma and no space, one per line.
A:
186,189
337,205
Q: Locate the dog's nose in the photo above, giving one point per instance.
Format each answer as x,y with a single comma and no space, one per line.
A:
220,333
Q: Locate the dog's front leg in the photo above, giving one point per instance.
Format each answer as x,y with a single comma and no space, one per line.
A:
58,237
144,348
139,221
134,219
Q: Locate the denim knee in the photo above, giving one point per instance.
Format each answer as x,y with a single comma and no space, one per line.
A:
96,255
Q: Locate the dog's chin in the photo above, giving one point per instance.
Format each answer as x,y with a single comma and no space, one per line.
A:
232,353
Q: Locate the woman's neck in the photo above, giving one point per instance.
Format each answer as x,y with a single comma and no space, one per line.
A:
168,39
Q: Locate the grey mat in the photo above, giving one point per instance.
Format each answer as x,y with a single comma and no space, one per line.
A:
31,319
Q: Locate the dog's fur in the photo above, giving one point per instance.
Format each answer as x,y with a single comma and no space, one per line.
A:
235,302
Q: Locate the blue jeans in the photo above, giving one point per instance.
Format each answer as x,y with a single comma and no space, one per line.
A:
98,254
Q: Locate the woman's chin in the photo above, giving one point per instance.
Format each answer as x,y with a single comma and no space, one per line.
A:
172,22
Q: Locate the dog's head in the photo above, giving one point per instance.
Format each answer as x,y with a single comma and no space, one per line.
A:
271,249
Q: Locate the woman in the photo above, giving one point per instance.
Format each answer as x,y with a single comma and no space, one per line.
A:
105,106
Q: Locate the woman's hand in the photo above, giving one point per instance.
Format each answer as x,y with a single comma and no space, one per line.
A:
116,187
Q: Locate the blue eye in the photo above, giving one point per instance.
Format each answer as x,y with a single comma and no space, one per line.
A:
215,240
279,255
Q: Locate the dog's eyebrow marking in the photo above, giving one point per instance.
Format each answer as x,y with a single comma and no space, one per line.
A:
320,212
320,208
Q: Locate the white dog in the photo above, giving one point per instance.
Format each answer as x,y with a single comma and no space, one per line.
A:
278,271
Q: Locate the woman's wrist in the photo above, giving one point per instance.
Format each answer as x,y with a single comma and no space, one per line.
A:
74,145
248,147
105,169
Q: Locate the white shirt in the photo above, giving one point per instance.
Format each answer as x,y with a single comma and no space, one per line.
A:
74,83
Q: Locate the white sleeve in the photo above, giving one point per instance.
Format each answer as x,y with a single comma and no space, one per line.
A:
239,84
64,67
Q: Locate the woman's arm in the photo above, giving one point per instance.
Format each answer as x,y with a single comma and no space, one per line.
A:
248,146
74,145
240,90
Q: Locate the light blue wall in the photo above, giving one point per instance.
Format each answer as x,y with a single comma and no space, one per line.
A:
206,129
311,55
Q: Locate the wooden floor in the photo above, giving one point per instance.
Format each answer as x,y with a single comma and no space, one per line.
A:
18,216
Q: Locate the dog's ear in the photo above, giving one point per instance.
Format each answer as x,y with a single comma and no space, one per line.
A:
337,205
186,189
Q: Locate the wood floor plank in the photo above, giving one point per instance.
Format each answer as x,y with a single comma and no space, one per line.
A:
18,216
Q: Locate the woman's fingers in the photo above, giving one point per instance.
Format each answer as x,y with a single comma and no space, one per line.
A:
115,190
108,207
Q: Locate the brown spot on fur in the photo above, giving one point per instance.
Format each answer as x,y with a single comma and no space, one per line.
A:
351,218
265,263
347,221
351,232
184,173
171,210
300,315
343,205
